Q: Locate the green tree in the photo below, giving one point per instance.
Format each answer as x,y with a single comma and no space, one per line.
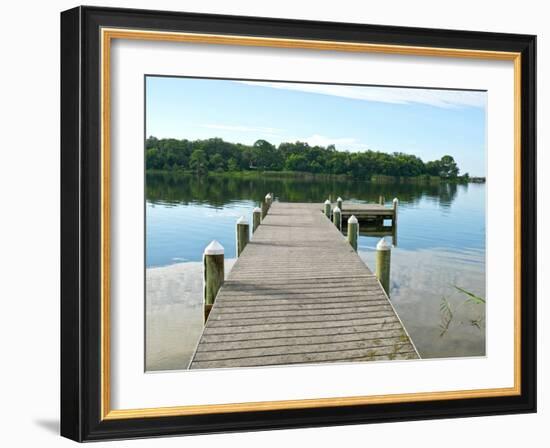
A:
266,156
296,162
198,162
232,165
154,159
217,162
448,167
338,163
151,142
433,168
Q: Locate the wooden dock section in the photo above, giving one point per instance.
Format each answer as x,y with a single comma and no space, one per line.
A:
300,294
365,212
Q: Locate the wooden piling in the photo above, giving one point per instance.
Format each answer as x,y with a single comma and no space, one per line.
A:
383,261
353,231
327,209
337,218
256,218
381,200
213,274
242,232
264,209
339,203
394,221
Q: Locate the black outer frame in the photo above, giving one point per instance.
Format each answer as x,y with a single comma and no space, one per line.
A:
81,207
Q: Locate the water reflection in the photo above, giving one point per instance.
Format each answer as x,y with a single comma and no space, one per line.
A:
217,191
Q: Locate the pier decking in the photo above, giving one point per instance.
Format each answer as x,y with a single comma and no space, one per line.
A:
299,294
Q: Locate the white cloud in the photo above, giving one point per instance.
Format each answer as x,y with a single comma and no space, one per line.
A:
227,127
447,99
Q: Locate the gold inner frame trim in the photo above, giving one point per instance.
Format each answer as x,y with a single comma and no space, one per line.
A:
107,35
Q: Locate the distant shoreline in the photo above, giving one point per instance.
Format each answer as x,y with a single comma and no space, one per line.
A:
375,179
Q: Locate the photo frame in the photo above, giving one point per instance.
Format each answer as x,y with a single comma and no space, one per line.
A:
88,35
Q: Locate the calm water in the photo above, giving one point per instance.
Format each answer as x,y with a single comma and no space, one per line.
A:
441,242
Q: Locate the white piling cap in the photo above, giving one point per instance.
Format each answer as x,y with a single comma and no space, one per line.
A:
353,220
257,210
339,199
214,248
336,210
242,220
327,202
382,245
268,196
395,200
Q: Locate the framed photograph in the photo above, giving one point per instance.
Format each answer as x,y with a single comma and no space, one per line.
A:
272,223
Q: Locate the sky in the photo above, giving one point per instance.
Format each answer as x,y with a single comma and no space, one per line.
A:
428,123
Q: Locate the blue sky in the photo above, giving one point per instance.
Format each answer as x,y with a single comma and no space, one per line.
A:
426,122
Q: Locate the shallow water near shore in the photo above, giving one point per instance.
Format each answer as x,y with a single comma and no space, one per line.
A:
440,236
174,314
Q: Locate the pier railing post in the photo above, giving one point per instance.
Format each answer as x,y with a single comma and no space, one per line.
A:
337,218
394,220
353,231
383,262
381,200
339,203
213,274
243,232
264,209
327,209
256,218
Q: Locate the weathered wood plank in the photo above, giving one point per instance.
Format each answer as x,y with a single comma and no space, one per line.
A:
261,307
386,345
367,330
295,284
299,301
326,324
216,343
334,289
386,353
225,319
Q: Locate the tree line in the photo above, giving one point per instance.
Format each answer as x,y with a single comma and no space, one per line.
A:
217,155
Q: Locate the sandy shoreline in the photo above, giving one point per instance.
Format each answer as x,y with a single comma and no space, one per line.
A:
174,314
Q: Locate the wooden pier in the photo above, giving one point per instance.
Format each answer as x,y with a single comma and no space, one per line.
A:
299,294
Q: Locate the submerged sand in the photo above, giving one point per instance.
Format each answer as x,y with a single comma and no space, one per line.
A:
174,314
